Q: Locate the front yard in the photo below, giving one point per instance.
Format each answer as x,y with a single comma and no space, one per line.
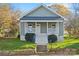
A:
16,44
67,43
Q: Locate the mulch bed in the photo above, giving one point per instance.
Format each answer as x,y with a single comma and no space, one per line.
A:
28,52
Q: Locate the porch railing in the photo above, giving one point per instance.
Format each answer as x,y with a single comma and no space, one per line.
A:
31,30
51,31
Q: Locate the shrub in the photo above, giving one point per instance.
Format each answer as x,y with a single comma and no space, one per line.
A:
52,38
30,37
18,36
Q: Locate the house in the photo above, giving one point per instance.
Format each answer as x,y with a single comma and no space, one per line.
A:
42,21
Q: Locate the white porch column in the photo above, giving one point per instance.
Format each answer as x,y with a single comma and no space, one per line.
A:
47,28
21,28
26,27
35,31
35,27
61,31
57,30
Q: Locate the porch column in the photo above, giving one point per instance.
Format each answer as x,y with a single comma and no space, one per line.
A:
26,27
47,28
35,30
57,30
22,34
35,27
61,31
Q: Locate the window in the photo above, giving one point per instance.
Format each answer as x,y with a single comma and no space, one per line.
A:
38,24
29,28
53,26
29,25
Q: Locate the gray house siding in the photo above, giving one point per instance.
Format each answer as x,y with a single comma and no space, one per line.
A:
43,11
61,29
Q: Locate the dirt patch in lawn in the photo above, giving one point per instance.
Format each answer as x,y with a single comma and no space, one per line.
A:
28,52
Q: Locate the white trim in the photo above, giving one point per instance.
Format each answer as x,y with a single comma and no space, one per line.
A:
20,28
35,27
22,37
35,30
47,27
63,30
26,27
57,28
41,20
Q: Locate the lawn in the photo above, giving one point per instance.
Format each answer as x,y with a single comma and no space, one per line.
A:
69,42
17,44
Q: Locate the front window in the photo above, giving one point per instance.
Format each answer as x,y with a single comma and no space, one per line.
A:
29,25
29,28
53,26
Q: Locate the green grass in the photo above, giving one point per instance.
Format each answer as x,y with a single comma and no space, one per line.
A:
76,46
69,42
15,44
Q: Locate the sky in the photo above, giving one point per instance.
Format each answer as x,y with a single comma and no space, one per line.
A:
23,6
28,6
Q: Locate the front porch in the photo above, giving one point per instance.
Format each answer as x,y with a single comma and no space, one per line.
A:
42,27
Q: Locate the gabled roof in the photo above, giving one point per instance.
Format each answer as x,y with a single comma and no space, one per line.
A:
52,11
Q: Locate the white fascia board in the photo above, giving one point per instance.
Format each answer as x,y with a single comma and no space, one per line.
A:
41,20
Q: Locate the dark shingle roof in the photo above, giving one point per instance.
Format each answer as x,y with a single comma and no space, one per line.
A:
40,18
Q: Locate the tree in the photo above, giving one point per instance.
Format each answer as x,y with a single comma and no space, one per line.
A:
75,7
61,9
15,22
8,20
72,24
5,17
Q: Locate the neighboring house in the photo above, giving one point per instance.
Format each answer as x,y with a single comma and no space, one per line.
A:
42,21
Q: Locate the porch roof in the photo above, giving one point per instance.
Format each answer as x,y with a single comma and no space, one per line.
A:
41,18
